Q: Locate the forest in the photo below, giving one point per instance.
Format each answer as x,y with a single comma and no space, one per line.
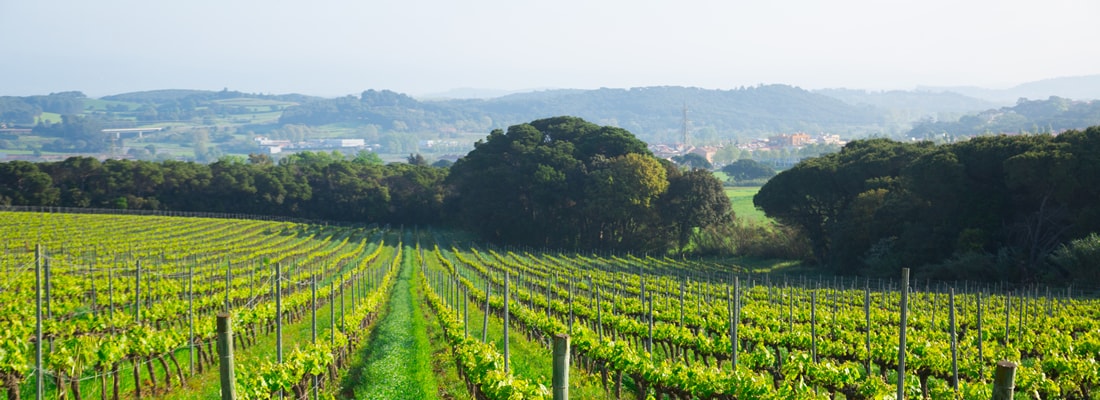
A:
1019,208
580,184
1055,114
324,186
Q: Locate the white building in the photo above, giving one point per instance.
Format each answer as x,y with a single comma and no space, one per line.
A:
343,142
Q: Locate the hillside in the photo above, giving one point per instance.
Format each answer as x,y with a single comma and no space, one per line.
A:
1054,114
207,124
1077,88
171,95
911,105
653,113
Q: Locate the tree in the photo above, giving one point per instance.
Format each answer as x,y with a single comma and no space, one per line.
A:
815,193
76,133
367,158
747,170
200,142
416,193
692,161
494,195
619,198
560,182
805,196
694,200
22,183
1044,182
417,160
260,159
727,154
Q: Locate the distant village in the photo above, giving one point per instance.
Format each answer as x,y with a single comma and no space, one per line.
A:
662,150
772,143
451,150
271,146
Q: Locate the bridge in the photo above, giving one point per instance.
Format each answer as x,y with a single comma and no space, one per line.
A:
139,131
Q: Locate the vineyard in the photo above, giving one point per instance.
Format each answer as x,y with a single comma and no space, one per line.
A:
113,307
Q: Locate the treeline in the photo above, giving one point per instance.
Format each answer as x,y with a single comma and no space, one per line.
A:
388,111
75,133
201,96
1054,114
558,182
25,110
1012,207
304,185
185,105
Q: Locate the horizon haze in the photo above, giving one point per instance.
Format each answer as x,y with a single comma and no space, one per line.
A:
334,48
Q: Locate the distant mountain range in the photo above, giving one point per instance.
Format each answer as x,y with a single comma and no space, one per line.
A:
473,93
1076,88
1052,115
904,105
655,114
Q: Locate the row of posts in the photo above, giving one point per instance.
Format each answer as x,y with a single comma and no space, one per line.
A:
1003,377
560,346
223,327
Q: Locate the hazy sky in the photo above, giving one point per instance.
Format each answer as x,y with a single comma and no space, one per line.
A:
331,48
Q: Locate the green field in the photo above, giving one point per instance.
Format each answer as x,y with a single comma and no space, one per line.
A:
741,203
53,118
101,105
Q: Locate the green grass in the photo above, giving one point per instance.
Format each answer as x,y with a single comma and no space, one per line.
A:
53,118
265,117
254,102
741,203
451,386
765,265
101,105
397,362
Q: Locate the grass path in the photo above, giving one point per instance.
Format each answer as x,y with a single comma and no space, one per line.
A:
396,363
443,362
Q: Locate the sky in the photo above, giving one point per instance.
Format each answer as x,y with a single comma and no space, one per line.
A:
334,48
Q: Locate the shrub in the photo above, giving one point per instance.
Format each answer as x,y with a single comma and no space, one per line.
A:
1079,260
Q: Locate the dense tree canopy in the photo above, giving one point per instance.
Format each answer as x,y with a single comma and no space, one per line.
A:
1051,115
302,185
692,161
991,205
747,170
694,199
554,182
567,182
